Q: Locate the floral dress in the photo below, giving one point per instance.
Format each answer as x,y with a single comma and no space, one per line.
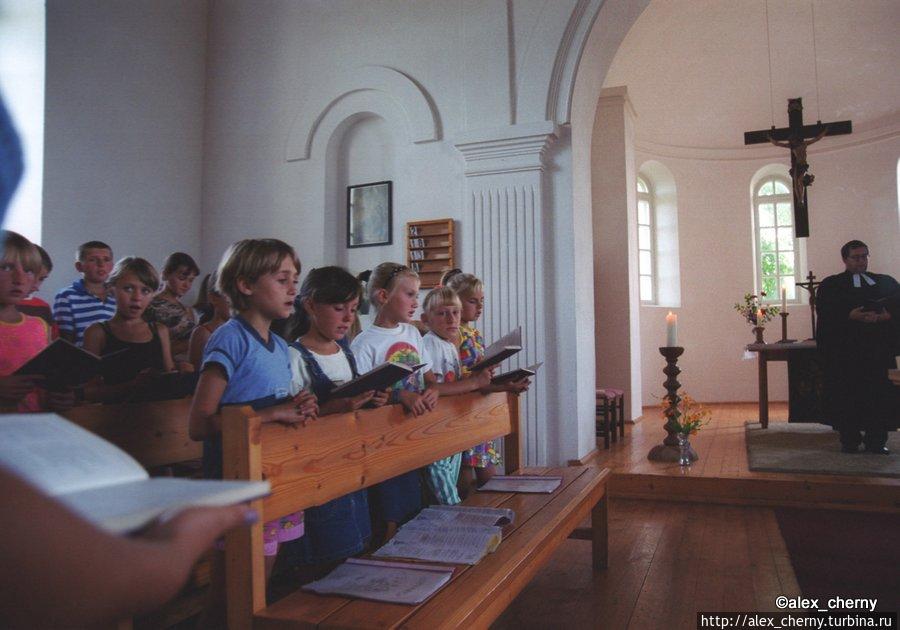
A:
173,315
471,350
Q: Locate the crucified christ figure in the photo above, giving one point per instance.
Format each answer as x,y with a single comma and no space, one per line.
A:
799,165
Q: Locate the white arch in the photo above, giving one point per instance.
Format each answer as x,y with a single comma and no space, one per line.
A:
366,88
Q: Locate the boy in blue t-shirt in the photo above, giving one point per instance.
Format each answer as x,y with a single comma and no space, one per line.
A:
246,364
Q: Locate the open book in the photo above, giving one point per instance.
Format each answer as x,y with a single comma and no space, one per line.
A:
517,374
500,350
65,365
100,482
378,378
442,541
521,483
395,582
469,515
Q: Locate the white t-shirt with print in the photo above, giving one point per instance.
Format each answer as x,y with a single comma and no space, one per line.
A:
444,358
335,366
402,344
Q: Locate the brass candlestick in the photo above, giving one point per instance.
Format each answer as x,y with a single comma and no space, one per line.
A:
784,337
668,451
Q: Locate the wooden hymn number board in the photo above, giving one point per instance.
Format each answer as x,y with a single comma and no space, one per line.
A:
796,137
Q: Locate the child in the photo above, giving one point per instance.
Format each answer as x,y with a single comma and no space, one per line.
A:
203,308
179,273
393,292
244,363
22,336
133,282
441,313
479,462
34,305
220,314
321,360
86,301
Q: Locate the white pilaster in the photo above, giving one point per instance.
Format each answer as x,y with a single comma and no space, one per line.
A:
503,245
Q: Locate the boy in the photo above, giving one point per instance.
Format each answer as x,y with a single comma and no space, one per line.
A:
441,313
86,301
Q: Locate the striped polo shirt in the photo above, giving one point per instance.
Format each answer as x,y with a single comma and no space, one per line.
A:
74,309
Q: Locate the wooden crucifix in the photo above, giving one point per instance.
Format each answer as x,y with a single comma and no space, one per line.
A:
796,137
810,285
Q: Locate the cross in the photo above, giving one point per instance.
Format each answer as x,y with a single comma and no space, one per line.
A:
795,137
810,285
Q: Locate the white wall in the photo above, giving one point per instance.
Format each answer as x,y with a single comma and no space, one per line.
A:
854,196
124,128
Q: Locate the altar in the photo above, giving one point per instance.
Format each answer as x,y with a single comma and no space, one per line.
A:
805,379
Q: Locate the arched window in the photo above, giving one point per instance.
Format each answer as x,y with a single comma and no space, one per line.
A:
778,257
646,241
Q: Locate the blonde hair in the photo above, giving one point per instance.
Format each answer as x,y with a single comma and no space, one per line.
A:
385,276
440,296
249,260
464,284
139,267
19,249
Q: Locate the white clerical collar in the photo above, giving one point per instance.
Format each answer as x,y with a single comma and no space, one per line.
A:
857,283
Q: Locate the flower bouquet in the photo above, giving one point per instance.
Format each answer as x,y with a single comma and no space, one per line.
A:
754,311
686,416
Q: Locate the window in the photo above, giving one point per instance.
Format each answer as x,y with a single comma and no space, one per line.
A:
777,251
646,242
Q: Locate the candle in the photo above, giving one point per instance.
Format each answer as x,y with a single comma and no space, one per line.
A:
671,329
759,317
784,299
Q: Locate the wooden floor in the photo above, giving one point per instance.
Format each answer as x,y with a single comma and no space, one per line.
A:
722,476
667,562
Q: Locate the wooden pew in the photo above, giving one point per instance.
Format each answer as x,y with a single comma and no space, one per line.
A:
334,455
154,433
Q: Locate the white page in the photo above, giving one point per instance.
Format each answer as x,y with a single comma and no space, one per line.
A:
435,541
465,515
129,506
396,582
517,483
60,457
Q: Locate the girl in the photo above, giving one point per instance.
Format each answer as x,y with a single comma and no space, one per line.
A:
321,359
393,292
478,464
179,273
244,363
35,305
441,314
133,282
220,314
203,308
21,336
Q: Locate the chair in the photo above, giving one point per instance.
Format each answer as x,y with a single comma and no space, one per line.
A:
610,414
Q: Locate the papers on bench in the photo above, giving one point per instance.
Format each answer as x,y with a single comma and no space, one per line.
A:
378,378
521,483
500,350
468,515
395,582
431,536
100,482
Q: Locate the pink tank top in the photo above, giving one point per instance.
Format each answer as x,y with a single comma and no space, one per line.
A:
19,343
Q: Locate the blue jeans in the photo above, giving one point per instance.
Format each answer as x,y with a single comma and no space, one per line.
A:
336,530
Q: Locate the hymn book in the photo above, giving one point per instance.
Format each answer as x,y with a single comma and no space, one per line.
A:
522,483
100,482
500,350
469,515
394,582
64,364
442,541
517,374
378,378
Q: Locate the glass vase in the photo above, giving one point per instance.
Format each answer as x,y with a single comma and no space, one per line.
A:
684,449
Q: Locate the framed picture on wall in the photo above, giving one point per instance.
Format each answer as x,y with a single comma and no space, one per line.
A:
369,214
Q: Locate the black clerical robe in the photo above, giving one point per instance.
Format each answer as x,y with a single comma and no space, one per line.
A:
857,356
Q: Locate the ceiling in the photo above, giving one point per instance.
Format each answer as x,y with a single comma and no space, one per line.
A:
697,71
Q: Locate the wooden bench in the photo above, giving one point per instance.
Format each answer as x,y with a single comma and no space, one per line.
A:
154,433
334,455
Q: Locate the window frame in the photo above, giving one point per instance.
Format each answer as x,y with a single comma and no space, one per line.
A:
775,199
653,275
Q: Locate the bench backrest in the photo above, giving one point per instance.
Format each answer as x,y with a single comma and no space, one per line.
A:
334,455
154,433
